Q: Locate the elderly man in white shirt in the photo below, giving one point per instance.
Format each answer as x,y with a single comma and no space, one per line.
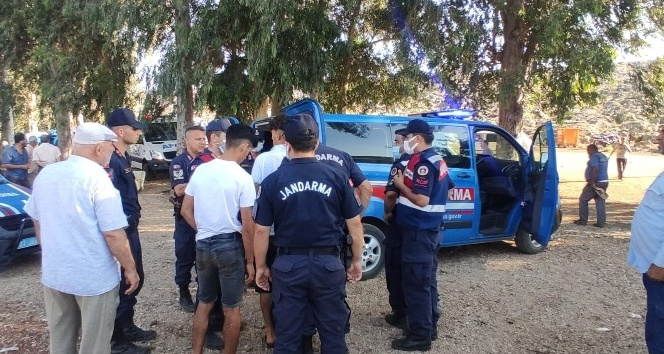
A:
265,164
79,222
46,153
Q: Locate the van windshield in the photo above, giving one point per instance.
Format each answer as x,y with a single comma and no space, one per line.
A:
161,132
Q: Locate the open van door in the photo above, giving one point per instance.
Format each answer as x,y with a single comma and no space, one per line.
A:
307,106
541,196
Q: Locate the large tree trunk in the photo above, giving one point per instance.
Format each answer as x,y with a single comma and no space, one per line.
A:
6,113
275,103
33,114
513,68
185,91
263,110
63,125
347,62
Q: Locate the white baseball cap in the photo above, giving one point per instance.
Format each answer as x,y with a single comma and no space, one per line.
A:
90,133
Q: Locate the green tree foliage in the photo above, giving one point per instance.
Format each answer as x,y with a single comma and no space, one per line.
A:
495,51
649,80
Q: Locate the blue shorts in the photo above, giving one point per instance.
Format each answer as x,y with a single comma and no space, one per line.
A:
220,264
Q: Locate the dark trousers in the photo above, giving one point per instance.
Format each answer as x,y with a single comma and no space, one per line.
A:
309,283
621,166
419,281
185,251
21,182
124,316
654,315
393,278
600,204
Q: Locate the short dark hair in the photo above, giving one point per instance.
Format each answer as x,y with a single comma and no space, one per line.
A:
428,138
45,138
593,147
304,146
237,134
277,123
18,137
192,128
209,133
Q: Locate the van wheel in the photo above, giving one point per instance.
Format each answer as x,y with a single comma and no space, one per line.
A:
526,243
149,175
373,253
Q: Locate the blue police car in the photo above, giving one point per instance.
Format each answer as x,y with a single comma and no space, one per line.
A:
503,191
17,233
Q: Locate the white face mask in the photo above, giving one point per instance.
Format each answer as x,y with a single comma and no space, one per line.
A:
407,148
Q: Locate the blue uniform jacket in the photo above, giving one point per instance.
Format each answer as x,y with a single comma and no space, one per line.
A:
307,202
121,174
426,174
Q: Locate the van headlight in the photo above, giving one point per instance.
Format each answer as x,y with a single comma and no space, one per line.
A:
156,155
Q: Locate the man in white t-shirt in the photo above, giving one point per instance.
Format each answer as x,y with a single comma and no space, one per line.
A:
46,153
79,221
265,164
214,206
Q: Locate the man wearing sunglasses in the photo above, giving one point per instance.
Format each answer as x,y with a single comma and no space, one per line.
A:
124,124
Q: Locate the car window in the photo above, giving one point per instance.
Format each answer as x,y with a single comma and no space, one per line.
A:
365,142
451,142
160,132
490,143
540,151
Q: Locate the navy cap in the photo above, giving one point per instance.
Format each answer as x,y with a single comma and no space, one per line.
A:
300,128
401,132
417,126
124,116
218,125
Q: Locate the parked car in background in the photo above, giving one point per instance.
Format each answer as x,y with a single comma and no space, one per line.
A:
17,233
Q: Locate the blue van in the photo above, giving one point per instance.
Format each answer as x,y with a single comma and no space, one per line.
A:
503,192
17,233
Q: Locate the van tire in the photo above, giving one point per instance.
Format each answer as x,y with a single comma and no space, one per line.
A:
526,244
373,253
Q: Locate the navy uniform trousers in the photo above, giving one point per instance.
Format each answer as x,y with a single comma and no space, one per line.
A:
125,314
315,283
393,243
420,286
185,251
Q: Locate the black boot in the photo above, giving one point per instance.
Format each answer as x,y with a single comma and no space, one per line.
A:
137,334
123,346
396,319
412,343
186,303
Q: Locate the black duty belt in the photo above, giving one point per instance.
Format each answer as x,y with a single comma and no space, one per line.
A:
316,251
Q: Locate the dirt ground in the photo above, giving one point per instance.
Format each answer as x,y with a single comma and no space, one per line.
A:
578,296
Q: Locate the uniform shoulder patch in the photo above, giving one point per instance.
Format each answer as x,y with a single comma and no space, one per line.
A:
178,174
176,167
422,170
393,171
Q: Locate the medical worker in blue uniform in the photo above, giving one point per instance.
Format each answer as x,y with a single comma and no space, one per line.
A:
423,188
307,273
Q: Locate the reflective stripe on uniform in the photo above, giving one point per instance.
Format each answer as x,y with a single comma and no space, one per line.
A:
429,208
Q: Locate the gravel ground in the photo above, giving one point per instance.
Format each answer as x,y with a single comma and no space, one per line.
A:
577,297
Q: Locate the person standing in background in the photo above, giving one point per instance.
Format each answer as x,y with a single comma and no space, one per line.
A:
597,181
16,161
621,149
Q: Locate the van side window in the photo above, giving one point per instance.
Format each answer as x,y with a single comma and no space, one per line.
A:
451,142
492,144
365,142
